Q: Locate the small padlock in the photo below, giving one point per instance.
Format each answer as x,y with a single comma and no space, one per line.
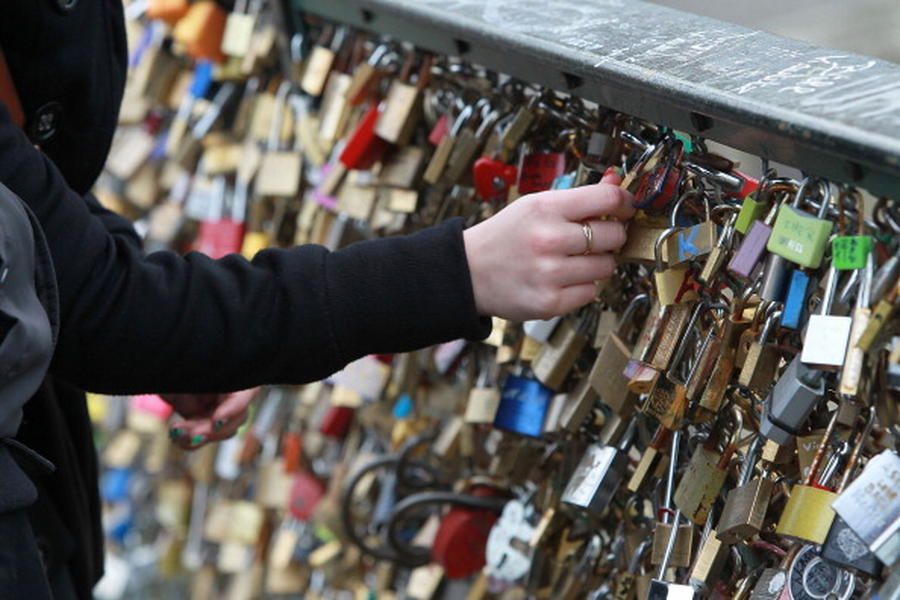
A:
556,358
807,515
667,528
795,300
668,280
403,104
827,335
762,358
660,589
791,401
598,475
798,236
852,369
702,482
745,507
523,406
752,248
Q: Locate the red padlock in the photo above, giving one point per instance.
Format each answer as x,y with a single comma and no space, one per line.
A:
306,493
364,148
336,422
539,170
493,178
219,236
459,546
292,450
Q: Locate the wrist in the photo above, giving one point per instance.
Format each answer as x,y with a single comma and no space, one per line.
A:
476,269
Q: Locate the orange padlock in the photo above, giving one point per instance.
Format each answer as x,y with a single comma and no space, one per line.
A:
169,11
200,31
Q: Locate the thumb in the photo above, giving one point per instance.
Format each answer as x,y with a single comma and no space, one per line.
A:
611,176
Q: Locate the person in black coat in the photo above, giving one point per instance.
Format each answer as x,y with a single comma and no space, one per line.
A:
165,323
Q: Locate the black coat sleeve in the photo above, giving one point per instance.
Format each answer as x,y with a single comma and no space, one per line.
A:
164,323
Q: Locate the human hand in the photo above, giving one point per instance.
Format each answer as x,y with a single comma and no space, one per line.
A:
528,261
208,417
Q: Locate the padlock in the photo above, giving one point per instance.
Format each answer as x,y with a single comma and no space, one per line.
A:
441,157
484,397
721,250
649,460
169,11
201,29
460,541
798,236
827,335
598,475
606,376
508,554
200,85
538,170
280,170
403,104
850,252
465,145
794,311
762,358
367,75
660,589
492,178
752,248
679,554
668,280
239,26
517,129
556,358
306,494
702,482
321,60
870,505
523,406
221,234
791,401
807,515
692,242
745,507
708,567
852,369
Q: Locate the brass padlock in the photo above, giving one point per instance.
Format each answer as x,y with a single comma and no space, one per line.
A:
745,507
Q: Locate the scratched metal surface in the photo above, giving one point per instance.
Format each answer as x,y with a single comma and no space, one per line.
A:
825,111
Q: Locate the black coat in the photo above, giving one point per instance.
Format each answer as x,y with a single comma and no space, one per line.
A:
164,323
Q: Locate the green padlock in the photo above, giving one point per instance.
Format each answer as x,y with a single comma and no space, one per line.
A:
850,252
798,236
751,210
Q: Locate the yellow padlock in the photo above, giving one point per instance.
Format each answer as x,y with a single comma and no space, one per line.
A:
807,514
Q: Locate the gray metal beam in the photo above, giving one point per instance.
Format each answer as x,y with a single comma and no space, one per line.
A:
827,112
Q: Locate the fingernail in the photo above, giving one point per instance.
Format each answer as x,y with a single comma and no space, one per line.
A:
197,439
219,424
175,433
610,171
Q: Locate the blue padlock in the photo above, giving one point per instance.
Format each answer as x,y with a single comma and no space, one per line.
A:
523,406
115,485
795,301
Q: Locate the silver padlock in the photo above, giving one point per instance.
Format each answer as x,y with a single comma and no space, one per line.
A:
870,505
599,475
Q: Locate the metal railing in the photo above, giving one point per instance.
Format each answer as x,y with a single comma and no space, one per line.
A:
826,112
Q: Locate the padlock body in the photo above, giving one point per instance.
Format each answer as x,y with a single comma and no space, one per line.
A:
556,358
799,237
850,252
751,210
825,344
845,549
596,479
684,544
607,379
751,249
523,406
745,510
795,300
807,514
700,485
789,403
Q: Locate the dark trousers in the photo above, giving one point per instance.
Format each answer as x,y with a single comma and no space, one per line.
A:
22,572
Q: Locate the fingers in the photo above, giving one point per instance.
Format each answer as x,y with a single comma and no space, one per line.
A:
576,296
608,236
579,270
591,201
217,424
232,406
611,177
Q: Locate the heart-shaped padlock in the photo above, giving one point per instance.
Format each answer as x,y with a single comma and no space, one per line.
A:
493,178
